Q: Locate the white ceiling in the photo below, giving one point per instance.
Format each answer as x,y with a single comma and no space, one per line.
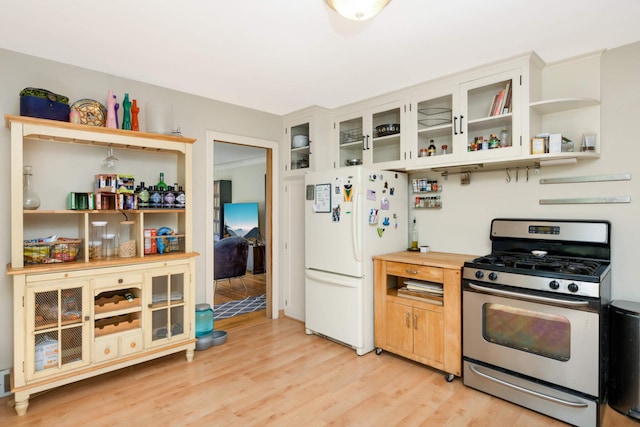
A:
279,56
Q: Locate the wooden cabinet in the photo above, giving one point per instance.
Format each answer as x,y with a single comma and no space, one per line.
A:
80,316
427,330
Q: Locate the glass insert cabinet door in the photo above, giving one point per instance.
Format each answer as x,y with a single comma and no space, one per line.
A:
169,293
58,331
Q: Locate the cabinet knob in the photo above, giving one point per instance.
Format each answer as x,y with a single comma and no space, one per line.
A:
133,344
120,280
107,351
408,319
411,271
415,321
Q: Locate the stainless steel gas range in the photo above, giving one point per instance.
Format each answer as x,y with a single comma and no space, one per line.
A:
535,317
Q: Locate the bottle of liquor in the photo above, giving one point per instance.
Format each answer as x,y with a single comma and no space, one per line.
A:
161,185
169,198
155,198
180,197
143,197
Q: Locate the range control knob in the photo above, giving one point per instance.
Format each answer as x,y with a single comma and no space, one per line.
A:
493,276
554,284
479,274
573,287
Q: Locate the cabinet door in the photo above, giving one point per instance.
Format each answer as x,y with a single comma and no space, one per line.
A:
386,145
167,318
298,156
57,320
294,250
428,339
352,141
432,124
399,326
489,105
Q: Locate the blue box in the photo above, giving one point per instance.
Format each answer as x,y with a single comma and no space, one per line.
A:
43,104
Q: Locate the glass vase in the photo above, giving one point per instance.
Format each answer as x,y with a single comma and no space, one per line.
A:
30,199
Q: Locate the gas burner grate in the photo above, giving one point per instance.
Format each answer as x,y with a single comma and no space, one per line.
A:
550,264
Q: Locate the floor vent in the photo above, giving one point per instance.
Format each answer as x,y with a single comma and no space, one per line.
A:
5,383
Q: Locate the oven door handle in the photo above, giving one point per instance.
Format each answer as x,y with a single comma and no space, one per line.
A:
526,390
526,296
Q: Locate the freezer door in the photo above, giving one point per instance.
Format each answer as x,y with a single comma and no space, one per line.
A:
334,307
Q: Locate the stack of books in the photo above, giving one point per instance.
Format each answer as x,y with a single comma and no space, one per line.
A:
501,102
428,292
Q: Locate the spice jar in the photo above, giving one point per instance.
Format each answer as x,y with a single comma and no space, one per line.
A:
127,247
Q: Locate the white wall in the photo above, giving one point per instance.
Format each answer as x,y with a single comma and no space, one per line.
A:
193,114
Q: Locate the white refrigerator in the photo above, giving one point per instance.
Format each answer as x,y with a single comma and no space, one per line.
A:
351,214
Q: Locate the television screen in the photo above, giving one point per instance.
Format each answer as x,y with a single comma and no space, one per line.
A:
241,219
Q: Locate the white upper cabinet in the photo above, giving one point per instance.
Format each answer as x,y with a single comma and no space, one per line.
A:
475,117
371,135
305,141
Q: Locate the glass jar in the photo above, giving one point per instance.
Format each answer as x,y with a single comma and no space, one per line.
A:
127,248
98,243
204,320
505,139
30,199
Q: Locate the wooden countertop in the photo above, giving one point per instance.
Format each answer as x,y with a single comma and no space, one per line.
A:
432,259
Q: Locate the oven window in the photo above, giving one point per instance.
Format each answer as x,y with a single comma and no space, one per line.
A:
530,331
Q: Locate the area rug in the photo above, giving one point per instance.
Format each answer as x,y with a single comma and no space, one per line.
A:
235,308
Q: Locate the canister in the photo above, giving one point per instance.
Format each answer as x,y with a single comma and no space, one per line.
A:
127,248
204,320
97,247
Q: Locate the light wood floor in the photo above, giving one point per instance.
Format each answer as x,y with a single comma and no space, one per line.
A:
272,374
232,290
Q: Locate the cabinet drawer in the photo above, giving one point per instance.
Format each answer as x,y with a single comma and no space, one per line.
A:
130,344
430,274
118,280
105,349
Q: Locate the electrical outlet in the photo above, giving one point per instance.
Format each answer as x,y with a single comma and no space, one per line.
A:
5,383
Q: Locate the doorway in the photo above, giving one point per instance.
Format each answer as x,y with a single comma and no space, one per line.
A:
250,148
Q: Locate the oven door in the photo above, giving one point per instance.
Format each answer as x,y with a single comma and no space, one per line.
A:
528,335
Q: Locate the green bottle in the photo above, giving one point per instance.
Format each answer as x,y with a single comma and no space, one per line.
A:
161,185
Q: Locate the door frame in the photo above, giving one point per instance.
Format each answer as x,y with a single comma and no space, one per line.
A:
271,212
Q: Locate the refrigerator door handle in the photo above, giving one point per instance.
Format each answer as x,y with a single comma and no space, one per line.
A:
356,220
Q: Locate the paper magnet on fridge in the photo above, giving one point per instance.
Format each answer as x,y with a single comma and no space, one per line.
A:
384,204
348,192
373,216
380,231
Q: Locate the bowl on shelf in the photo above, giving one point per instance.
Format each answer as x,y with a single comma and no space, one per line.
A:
388,129
299,141
353,162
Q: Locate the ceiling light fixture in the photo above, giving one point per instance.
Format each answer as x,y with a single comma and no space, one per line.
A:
357,10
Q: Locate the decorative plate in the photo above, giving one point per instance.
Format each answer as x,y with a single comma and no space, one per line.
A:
92,112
